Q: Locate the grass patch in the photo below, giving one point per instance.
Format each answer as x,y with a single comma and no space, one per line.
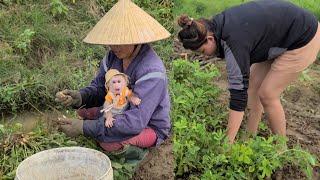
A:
207,9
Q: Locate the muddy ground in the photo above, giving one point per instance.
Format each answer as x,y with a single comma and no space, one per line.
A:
301,102
158,165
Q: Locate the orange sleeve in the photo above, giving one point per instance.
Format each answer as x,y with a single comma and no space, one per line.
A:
108,97
129,92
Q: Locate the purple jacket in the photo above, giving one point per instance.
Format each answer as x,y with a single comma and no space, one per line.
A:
148,80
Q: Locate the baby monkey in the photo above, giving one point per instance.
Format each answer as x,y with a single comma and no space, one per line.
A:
118,95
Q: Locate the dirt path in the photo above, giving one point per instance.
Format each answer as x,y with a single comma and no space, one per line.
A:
158,165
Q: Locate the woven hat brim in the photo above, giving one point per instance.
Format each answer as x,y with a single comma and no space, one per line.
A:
126,23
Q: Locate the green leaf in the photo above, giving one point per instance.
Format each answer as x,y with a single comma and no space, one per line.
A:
312,160
116,165
251,169
2,130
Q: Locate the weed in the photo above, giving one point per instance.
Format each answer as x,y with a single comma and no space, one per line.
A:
24,40
304,77
58,8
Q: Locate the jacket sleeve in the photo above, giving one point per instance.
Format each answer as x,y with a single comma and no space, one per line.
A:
149,89
94,94
238,69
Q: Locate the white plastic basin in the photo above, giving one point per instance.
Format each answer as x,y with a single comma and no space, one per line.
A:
66,163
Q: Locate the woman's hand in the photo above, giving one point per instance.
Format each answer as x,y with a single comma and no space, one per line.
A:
69,98
71,127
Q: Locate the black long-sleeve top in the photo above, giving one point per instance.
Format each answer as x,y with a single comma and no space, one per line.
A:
255,32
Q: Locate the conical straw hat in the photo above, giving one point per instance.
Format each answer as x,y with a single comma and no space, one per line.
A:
126,23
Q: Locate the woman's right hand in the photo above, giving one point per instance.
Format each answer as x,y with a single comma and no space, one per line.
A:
69,98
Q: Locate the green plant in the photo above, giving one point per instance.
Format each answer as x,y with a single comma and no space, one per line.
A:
263,126
304,76
191,92
58,8
24,40
22,88
6,51
200,147
10,2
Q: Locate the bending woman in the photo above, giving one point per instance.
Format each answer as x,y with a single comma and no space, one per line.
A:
266,44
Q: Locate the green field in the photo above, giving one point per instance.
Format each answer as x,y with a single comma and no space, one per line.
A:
208,8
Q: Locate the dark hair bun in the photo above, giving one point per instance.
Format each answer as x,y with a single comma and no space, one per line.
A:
184,21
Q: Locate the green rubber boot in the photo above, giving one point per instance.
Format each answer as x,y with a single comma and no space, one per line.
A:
134,154
129,152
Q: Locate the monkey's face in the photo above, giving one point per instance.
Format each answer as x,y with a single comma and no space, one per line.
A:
116,84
